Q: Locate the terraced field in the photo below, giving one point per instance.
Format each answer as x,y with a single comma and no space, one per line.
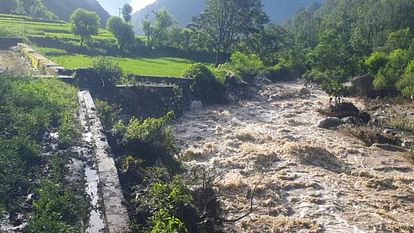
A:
55,40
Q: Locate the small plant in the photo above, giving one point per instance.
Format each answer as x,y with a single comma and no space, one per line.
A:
107,113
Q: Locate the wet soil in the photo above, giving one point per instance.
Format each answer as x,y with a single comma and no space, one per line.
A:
303,178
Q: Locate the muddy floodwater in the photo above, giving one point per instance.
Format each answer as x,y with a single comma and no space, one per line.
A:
303,178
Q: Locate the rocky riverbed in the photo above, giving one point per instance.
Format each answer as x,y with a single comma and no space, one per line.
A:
302,178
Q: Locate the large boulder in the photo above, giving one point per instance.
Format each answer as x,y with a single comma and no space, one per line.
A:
362,85
329,123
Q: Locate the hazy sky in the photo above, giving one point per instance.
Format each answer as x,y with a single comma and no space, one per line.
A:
139,4
113,6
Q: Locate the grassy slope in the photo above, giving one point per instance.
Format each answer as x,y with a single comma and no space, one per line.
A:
56,41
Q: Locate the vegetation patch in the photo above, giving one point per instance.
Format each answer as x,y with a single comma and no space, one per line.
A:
30,108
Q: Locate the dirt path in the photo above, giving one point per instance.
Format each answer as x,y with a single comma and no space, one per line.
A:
308,179
12,61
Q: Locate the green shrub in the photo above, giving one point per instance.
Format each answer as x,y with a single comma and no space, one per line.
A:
334,88
205,86
376,61
107,113
247,66
58,209
315,76
165,203
106,73
388,76
406,84
280,72
150,140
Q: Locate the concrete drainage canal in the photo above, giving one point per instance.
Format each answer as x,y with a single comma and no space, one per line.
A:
108,214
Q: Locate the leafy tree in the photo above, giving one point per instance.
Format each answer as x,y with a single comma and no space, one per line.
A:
157,32
84,24
266,43
8,6
122,31
400,39
224,27
126,12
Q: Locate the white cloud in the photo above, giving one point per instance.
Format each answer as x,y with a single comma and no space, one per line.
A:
139,4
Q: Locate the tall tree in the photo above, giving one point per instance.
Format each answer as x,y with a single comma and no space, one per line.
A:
122,31
158,30
225,22
84,24
126,12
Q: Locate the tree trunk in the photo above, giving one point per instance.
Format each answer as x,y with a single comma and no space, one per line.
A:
217,62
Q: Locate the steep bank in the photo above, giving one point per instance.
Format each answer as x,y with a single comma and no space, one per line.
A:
304,179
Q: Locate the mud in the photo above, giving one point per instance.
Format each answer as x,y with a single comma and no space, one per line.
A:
303,178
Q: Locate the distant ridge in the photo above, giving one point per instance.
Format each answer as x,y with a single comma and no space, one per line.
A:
278,11
63,9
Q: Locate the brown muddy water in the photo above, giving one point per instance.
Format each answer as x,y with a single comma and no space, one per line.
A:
304,179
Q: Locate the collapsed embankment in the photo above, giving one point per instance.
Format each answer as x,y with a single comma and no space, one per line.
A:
302,178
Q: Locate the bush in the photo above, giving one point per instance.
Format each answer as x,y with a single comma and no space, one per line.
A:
247,66
107,113
406,84
376,61
58,209
106,73
150,140
167,205
205,86
388,76
280,72
315,76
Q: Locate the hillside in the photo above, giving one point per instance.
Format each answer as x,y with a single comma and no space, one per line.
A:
279,11
63,9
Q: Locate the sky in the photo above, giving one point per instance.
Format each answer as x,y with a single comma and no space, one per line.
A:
139,4
113,6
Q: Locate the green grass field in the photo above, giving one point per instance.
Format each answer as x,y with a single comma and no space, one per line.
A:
55,41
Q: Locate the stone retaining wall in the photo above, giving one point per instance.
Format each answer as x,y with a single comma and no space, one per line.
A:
38,61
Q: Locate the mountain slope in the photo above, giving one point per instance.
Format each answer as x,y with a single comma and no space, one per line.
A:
278,11
63,9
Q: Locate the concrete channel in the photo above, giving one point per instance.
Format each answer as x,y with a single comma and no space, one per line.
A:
108,213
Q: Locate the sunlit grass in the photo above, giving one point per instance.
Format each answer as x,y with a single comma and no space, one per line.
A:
70,55
164,66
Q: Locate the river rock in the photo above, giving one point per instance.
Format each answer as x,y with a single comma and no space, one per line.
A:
196,105
330,122
349,120
389,147
304,92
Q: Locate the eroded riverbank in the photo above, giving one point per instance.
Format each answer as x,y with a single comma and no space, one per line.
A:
305,179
